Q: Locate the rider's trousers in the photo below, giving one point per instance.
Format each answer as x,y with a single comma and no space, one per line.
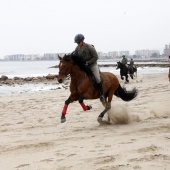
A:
95,70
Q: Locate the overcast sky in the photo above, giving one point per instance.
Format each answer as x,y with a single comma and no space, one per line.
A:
49,26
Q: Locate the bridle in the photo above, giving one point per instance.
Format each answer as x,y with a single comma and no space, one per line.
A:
63,72
72,74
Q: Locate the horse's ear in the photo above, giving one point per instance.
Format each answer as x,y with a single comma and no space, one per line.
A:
59,57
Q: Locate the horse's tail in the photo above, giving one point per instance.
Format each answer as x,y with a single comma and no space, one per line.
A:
126,95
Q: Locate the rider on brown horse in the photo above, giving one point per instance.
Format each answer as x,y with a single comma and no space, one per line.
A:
89,55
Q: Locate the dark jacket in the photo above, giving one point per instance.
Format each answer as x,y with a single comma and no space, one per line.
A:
88,53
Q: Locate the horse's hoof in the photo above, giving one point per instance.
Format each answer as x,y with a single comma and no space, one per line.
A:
63,120
89,107
99,119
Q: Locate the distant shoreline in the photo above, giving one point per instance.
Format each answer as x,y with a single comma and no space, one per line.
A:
139,65
139,62
100,60
165,65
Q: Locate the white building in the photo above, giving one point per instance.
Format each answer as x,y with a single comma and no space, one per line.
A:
146,53
53,56
31,57
15,57
167,50
113,54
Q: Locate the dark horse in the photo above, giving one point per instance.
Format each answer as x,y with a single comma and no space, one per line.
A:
124,71
82,87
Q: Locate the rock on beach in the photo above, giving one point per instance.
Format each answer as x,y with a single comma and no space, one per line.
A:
18,80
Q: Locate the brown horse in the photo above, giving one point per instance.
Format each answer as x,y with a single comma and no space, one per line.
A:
82,87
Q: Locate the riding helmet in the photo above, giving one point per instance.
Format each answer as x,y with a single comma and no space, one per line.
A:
78,38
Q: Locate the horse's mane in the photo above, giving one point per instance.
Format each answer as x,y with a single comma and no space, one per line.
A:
120,63
67,58
78,61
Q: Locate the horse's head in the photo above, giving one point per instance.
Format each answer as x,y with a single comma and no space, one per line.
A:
64,66
118,65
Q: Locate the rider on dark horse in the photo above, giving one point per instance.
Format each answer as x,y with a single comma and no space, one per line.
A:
89,56
132,64
124,61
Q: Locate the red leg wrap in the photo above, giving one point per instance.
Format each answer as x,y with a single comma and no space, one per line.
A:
83,106
65,109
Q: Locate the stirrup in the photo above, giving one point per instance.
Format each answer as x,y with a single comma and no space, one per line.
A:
102,99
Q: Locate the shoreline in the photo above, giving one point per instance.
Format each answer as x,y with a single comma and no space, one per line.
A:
136,64
166,65
50,82
11,87
4,79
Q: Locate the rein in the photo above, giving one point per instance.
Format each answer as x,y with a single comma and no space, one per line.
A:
77,82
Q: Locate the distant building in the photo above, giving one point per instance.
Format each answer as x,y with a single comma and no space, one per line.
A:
22,57
15,57
51,56
113,54
31,57
147,53
100,55
154,53
166,50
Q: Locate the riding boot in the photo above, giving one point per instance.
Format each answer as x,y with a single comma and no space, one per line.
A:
102,97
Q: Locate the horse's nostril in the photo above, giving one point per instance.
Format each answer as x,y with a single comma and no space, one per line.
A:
60,81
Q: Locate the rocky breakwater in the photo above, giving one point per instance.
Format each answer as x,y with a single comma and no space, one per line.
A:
144,64
4,80
139,65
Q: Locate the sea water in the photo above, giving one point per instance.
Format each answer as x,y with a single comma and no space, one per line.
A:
27,68
24,69
40,68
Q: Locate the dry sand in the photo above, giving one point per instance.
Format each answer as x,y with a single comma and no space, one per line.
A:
32,137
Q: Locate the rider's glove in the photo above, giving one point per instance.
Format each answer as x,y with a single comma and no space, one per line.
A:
86,64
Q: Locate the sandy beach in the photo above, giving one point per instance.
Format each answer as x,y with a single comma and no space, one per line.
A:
32,137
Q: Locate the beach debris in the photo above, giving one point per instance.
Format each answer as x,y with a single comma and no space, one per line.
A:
3,78
19,80
51,76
